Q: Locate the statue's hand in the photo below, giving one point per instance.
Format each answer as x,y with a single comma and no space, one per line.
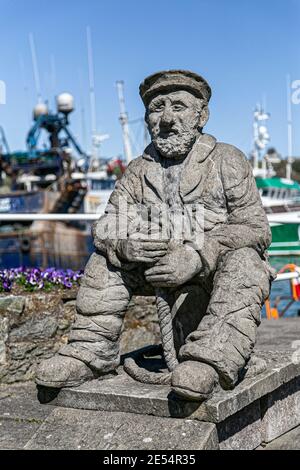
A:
178,266
136,250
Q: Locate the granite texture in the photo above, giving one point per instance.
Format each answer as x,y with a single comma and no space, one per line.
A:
21,414
34,326
288,441
281,410
121,431
241,431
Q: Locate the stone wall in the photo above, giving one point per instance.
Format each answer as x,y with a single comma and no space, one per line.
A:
34,326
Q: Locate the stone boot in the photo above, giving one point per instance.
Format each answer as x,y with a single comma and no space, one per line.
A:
62,371
194,380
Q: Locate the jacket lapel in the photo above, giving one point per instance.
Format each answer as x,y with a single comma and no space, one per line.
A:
193,176
153,176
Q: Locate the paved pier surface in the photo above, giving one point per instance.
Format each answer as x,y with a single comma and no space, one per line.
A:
25,423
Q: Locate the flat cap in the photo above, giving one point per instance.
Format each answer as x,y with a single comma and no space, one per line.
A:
171,80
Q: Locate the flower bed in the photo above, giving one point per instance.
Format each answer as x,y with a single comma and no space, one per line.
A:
35,279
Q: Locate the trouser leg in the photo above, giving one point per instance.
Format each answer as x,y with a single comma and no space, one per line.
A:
189,304
226,335
101,304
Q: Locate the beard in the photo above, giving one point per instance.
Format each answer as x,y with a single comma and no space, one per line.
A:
175,145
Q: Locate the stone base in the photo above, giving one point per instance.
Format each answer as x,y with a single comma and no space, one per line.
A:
92,430
258,410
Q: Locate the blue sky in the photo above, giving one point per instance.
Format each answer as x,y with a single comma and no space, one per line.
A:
243,48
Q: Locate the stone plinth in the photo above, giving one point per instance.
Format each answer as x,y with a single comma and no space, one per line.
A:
121,431
244,418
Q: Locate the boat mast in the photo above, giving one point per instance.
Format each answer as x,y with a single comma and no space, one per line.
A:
25,86
36,73
82,109
92,89
97,138
289,129
124,122
255,137
261,137
52,74
3,142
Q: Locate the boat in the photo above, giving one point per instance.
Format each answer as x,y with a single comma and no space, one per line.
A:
285,296
40,182
281,200
280,196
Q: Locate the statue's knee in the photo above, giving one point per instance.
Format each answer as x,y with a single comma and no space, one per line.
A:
96,274
243,254
244,260
109,301
84,306
251,274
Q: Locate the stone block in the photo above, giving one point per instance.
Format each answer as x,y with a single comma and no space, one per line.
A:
121,394
288,441
12,305
35,329
3,338
121,431
281,410
241,431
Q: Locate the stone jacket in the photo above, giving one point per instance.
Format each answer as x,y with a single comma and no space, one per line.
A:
215,175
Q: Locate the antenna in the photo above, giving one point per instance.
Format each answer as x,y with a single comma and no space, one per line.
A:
124,122
289,129
35,68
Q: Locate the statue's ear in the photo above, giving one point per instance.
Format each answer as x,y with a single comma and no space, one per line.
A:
147,120
204,116
147,117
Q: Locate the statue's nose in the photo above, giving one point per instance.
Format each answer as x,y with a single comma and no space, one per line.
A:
167,118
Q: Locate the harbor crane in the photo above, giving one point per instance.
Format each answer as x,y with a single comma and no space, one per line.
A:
58,154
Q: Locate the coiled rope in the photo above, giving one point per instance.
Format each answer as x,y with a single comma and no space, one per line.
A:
167,338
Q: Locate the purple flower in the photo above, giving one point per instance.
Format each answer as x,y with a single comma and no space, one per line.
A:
36,278
68,284
6,285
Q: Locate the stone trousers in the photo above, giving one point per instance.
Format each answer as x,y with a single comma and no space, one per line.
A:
215,320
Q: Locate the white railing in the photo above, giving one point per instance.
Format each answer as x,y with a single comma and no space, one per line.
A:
286,276
47,217
86,217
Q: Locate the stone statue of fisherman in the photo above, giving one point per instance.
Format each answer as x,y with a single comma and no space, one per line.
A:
227,275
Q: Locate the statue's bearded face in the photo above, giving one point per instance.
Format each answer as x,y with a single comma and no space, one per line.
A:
174,121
